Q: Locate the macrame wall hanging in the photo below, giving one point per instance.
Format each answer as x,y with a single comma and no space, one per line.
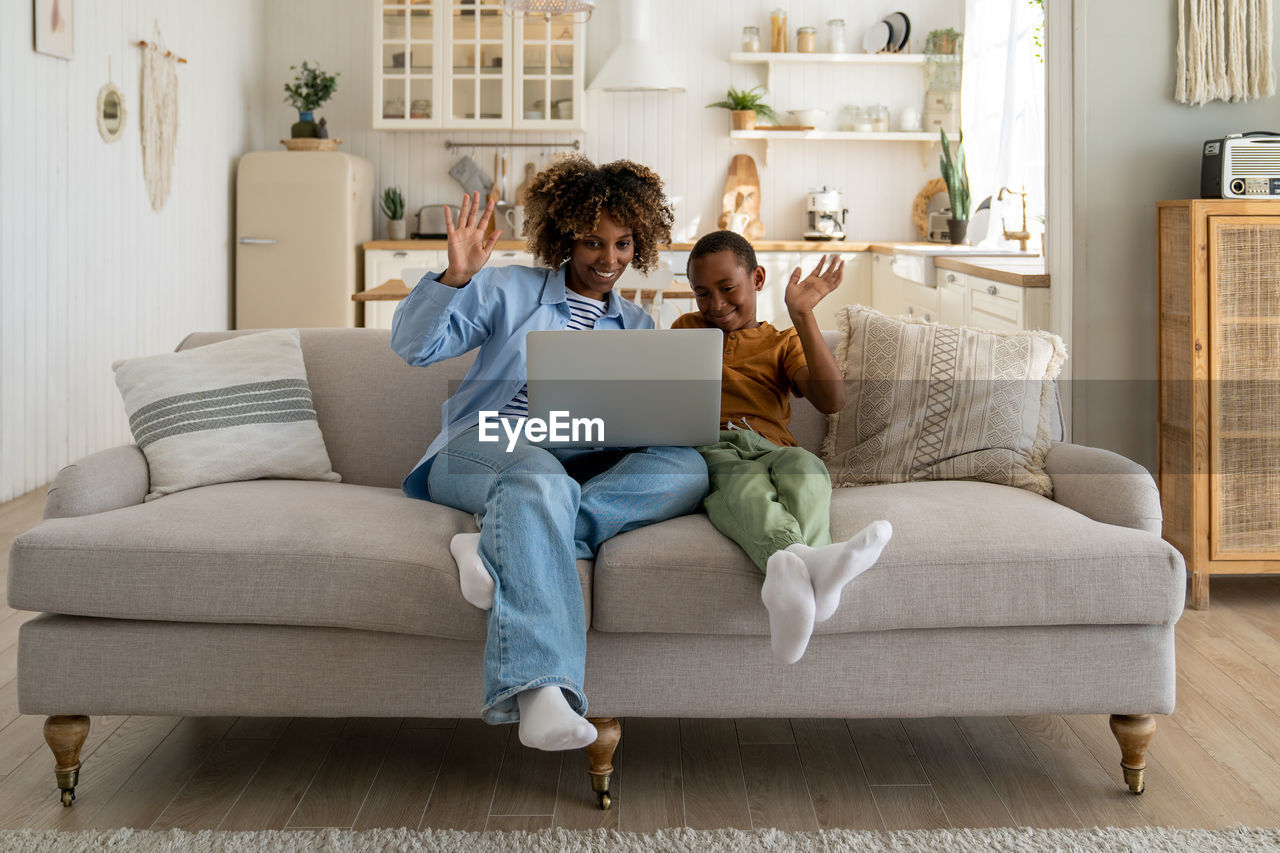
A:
1224,51
159,118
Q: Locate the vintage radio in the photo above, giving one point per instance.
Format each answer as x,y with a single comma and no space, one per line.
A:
1241,165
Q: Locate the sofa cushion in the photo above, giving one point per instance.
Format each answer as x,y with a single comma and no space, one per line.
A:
272,552
377,413
236,410
932,402
964,554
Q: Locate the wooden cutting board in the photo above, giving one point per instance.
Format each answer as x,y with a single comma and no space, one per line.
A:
742,196
523,188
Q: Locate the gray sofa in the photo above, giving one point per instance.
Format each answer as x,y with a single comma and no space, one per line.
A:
291,598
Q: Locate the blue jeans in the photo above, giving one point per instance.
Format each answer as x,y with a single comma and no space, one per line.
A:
536,521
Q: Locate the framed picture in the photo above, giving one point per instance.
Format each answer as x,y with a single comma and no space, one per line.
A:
55,27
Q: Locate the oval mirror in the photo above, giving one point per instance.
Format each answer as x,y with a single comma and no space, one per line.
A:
111,112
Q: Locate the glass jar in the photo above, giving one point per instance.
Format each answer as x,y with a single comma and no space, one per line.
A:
806,40
879,118
849,118
751,39
836,41
862,122
778,31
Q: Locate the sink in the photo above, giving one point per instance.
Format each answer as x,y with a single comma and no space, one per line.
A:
915,263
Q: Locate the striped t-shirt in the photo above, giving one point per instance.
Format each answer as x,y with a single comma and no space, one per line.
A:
583,313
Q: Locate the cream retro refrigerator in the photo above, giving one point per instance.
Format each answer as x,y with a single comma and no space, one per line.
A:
301,217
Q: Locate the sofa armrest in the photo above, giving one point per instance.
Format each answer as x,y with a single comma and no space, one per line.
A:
1104,486
108,479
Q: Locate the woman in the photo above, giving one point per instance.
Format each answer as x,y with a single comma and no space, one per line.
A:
540,509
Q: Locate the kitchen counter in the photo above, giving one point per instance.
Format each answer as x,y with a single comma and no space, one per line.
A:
818,246
1022,272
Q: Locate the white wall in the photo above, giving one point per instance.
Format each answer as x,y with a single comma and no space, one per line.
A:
1140,146
89,273
687,144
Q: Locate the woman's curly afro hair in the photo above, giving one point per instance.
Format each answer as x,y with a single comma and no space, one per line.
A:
565,201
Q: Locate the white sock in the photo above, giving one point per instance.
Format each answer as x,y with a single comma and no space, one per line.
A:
788,596
833,566
548,723
477,583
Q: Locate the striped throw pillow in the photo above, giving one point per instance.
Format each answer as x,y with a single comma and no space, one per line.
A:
239,409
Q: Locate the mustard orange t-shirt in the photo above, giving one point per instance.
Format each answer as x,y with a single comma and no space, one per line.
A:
758,378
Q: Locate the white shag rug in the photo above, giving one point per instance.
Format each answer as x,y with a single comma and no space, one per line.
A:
1021,840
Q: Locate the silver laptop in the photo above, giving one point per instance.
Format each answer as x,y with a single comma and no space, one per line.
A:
635,388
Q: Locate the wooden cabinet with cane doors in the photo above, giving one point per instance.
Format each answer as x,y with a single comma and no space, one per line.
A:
1219,391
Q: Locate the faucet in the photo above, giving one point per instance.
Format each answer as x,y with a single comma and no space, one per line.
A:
1022,235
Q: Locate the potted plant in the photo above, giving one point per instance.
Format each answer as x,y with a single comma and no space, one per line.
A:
744,106
392,204
310,88
957,180
942,42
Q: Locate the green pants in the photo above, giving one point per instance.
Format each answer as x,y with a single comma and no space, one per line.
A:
765,497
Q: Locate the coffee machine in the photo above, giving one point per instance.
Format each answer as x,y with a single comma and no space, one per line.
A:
826,215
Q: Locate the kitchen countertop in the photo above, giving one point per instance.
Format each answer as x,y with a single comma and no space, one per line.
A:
1023,272
820,246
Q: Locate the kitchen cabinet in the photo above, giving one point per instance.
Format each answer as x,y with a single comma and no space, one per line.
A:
985,303
771,304
465,64
886,286
1219,427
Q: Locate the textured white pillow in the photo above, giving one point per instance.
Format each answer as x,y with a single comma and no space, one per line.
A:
925,401
239,409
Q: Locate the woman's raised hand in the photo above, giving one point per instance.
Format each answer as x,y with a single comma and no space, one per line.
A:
803,294
468,248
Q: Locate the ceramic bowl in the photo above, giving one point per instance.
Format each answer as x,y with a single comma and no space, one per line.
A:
810,117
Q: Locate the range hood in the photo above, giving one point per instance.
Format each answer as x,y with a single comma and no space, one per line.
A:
636,64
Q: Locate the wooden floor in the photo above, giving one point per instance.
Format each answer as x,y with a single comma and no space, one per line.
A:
1215,762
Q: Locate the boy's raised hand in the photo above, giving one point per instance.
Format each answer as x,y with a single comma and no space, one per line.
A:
468,248
803,294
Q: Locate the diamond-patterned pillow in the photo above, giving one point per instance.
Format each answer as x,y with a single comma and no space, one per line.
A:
931,402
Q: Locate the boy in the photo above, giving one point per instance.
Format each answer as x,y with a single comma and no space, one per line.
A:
768,495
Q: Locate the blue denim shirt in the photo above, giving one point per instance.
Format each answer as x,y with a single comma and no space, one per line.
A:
494,311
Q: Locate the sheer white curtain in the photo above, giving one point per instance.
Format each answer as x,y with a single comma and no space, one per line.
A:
1002,110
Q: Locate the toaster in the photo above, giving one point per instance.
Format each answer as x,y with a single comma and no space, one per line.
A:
431,222
1241,165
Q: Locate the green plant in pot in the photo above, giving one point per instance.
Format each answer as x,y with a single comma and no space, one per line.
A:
745,106
957,179
392,204
310,88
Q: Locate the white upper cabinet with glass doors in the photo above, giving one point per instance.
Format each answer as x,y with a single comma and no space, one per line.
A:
466,64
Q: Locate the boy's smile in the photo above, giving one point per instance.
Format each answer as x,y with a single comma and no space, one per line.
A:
725,291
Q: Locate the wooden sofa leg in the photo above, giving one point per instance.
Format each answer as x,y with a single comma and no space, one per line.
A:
1134,732
65,735
600,754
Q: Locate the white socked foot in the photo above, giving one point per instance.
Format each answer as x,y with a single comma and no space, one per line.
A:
547,721
476,582
788,596
833,566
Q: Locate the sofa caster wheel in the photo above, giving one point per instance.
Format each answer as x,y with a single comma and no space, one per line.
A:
604,799
68,797
1135,780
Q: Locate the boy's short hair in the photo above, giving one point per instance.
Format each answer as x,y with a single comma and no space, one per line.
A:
723,241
